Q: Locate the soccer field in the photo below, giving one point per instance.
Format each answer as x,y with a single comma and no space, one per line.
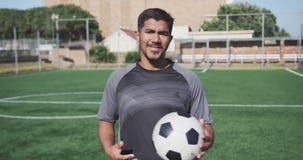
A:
51,115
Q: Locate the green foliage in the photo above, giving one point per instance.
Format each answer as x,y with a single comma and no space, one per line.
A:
74,29
28,22
10,18
99,53
132,57
245,22
282,33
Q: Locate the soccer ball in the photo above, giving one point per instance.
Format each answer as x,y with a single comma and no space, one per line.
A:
176,136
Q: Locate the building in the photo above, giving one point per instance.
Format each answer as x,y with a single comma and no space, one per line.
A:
121,41
114,14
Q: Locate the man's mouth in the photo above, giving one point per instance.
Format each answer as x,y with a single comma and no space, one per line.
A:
154,47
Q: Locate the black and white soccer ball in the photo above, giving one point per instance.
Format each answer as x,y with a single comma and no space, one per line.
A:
177,136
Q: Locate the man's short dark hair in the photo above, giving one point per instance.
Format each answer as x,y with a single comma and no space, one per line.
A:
157,14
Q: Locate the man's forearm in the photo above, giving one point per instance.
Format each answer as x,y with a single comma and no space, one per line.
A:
106,134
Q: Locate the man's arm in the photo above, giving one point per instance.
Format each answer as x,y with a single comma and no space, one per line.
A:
208,138
106,133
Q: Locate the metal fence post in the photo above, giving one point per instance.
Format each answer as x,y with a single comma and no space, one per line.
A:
57,32
193,59
263,53
38,50
15,45
227,41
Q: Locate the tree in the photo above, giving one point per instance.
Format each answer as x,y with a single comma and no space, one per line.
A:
10,18
99,53
132,56
37,19
28,22
251,20
74,30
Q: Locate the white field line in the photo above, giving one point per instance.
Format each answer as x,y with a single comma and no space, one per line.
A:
49,94
51,102
98,103
46,117
15,100
204,70
293,72
257,105
95,116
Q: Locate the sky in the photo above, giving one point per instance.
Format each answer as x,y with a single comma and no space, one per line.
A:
21,4
286,11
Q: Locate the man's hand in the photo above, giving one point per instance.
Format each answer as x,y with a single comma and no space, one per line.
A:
106,135
208,138
114,152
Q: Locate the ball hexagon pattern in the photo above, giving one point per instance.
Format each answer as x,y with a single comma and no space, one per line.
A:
165,129
177,136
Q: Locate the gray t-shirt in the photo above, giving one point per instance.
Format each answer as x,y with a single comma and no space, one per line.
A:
139,98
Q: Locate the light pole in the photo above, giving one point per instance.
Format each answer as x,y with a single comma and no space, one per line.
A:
56,18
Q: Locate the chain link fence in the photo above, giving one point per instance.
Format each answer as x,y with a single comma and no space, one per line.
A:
229,45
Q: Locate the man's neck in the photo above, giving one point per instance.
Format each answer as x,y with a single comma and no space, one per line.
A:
154,65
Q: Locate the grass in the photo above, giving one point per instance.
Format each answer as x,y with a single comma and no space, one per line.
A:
257,133
252,87
248,133
50,139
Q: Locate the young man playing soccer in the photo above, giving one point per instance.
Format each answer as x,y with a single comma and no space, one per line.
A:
140,94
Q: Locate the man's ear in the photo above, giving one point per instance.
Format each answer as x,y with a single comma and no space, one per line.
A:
137,36
171,38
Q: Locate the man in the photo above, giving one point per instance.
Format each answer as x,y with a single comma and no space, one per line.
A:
140,94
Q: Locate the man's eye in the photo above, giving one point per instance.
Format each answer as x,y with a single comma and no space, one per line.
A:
164,34
149,31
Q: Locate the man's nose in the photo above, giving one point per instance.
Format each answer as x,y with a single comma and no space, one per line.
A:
156,38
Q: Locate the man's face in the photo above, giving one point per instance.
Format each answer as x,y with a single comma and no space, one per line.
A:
154,38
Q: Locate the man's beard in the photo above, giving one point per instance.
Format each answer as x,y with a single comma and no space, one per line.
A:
152,59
